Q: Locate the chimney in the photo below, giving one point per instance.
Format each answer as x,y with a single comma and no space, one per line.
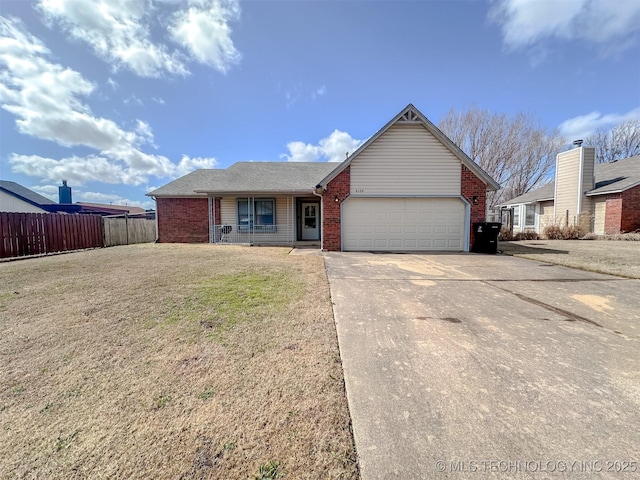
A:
574,178
64,193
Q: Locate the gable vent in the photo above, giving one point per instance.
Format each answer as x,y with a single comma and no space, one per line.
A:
410,116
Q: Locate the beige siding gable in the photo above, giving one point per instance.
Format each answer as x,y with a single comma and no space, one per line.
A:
406,160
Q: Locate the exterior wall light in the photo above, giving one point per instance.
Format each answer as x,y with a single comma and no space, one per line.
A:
337,200
474,199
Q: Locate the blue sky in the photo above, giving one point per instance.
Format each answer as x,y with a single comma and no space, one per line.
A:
122,96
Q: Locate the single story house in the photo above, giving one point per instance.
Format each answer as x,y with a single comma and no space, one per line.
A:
602,198
407,188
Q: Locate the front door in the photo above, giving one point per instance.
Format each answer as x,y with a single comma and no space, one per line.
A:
310,221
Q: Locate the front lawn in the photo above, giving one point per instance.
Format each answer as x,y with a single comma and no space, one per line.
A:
171,361
613,257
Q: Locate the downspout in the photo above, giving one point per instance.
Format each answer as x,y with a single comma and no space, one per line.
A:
315,192
157,232
580,182
211,226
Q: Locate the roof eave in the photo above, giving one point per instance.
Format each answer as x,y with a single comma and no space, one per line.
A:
255,192
24,199
526,202
617,190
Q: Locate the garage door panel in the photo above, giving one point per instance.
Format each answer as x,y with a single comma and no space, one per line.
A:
403,224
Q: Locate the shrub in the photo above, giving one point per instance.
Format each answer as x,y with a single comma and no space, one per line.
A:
528,235
505,234
571,232
552,232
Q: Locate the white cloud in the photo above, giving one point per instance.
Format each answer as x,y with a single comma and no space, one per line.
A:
583,126
48,102
203,30
133,100
77,170
120,32
158,100
109,198
606,23
188,164
332,148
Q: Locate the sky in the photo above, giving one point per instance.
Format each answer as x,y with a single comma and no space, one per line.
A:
119,97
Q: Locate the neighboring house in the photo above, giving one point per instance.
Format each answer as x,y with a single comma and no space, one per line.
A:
108,209
406,188
16,198
602,198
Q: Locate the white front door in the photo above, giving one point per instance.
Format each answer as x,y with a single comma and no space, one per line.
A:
310,221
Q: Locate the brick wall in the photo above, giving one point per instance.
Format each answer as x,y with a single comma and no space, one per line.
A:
613,214
183,220
338,187
472,186
630,220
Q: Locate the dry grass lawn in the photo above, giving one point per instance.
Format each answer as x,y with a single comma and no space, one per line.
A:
603,256
171,361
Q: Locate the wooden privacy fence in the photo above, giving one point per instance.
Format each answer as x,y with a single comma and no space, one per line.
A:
24,234
37,233
124,231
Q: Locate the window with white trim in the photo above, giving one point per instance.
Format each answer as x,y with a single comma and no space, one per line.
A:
530,215
516,216
257,215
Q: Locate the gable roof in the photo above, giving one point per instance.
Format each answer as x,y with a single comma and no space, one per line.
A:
248,177
412,115
24,194
612,177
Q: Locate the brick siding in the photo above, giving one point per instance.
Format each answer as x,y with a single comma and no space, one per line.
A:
184,220
630,220
613,214
472,186
338,187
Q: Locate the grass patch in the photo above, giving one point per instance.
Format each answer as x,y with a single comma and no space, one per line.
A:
269,471
206,394
226,300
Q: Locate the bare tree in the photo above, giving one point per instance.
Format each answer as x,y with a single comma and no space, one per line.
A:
516,151
619,142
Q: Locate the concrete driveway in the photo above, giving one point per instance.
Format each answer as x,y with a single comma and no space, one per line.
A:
474,366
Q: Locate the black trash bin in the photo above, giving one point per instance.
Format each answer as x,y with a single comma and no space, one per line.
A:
485,237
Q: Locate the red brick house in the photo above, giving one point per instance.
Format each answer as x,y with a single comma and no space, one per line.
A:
407,188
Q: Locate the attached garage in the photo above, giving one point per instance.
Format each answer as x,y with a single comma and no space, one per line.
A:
407,188
403,224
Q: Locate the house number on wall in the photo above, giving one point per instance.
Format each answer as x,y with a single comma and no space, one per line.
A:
359,190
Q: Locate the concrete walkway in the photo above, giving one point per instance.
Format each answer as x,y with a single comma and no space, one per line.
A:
479,366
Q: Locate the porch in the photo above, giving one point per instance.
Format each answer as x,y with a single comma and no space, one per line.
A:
266,220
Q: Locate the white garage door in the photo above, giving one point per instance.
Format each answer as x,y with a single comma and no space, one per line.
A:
396,224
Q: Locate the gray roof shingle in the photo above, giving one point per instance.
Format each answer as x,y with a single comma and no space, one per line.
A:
249,177
610,177
24,193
